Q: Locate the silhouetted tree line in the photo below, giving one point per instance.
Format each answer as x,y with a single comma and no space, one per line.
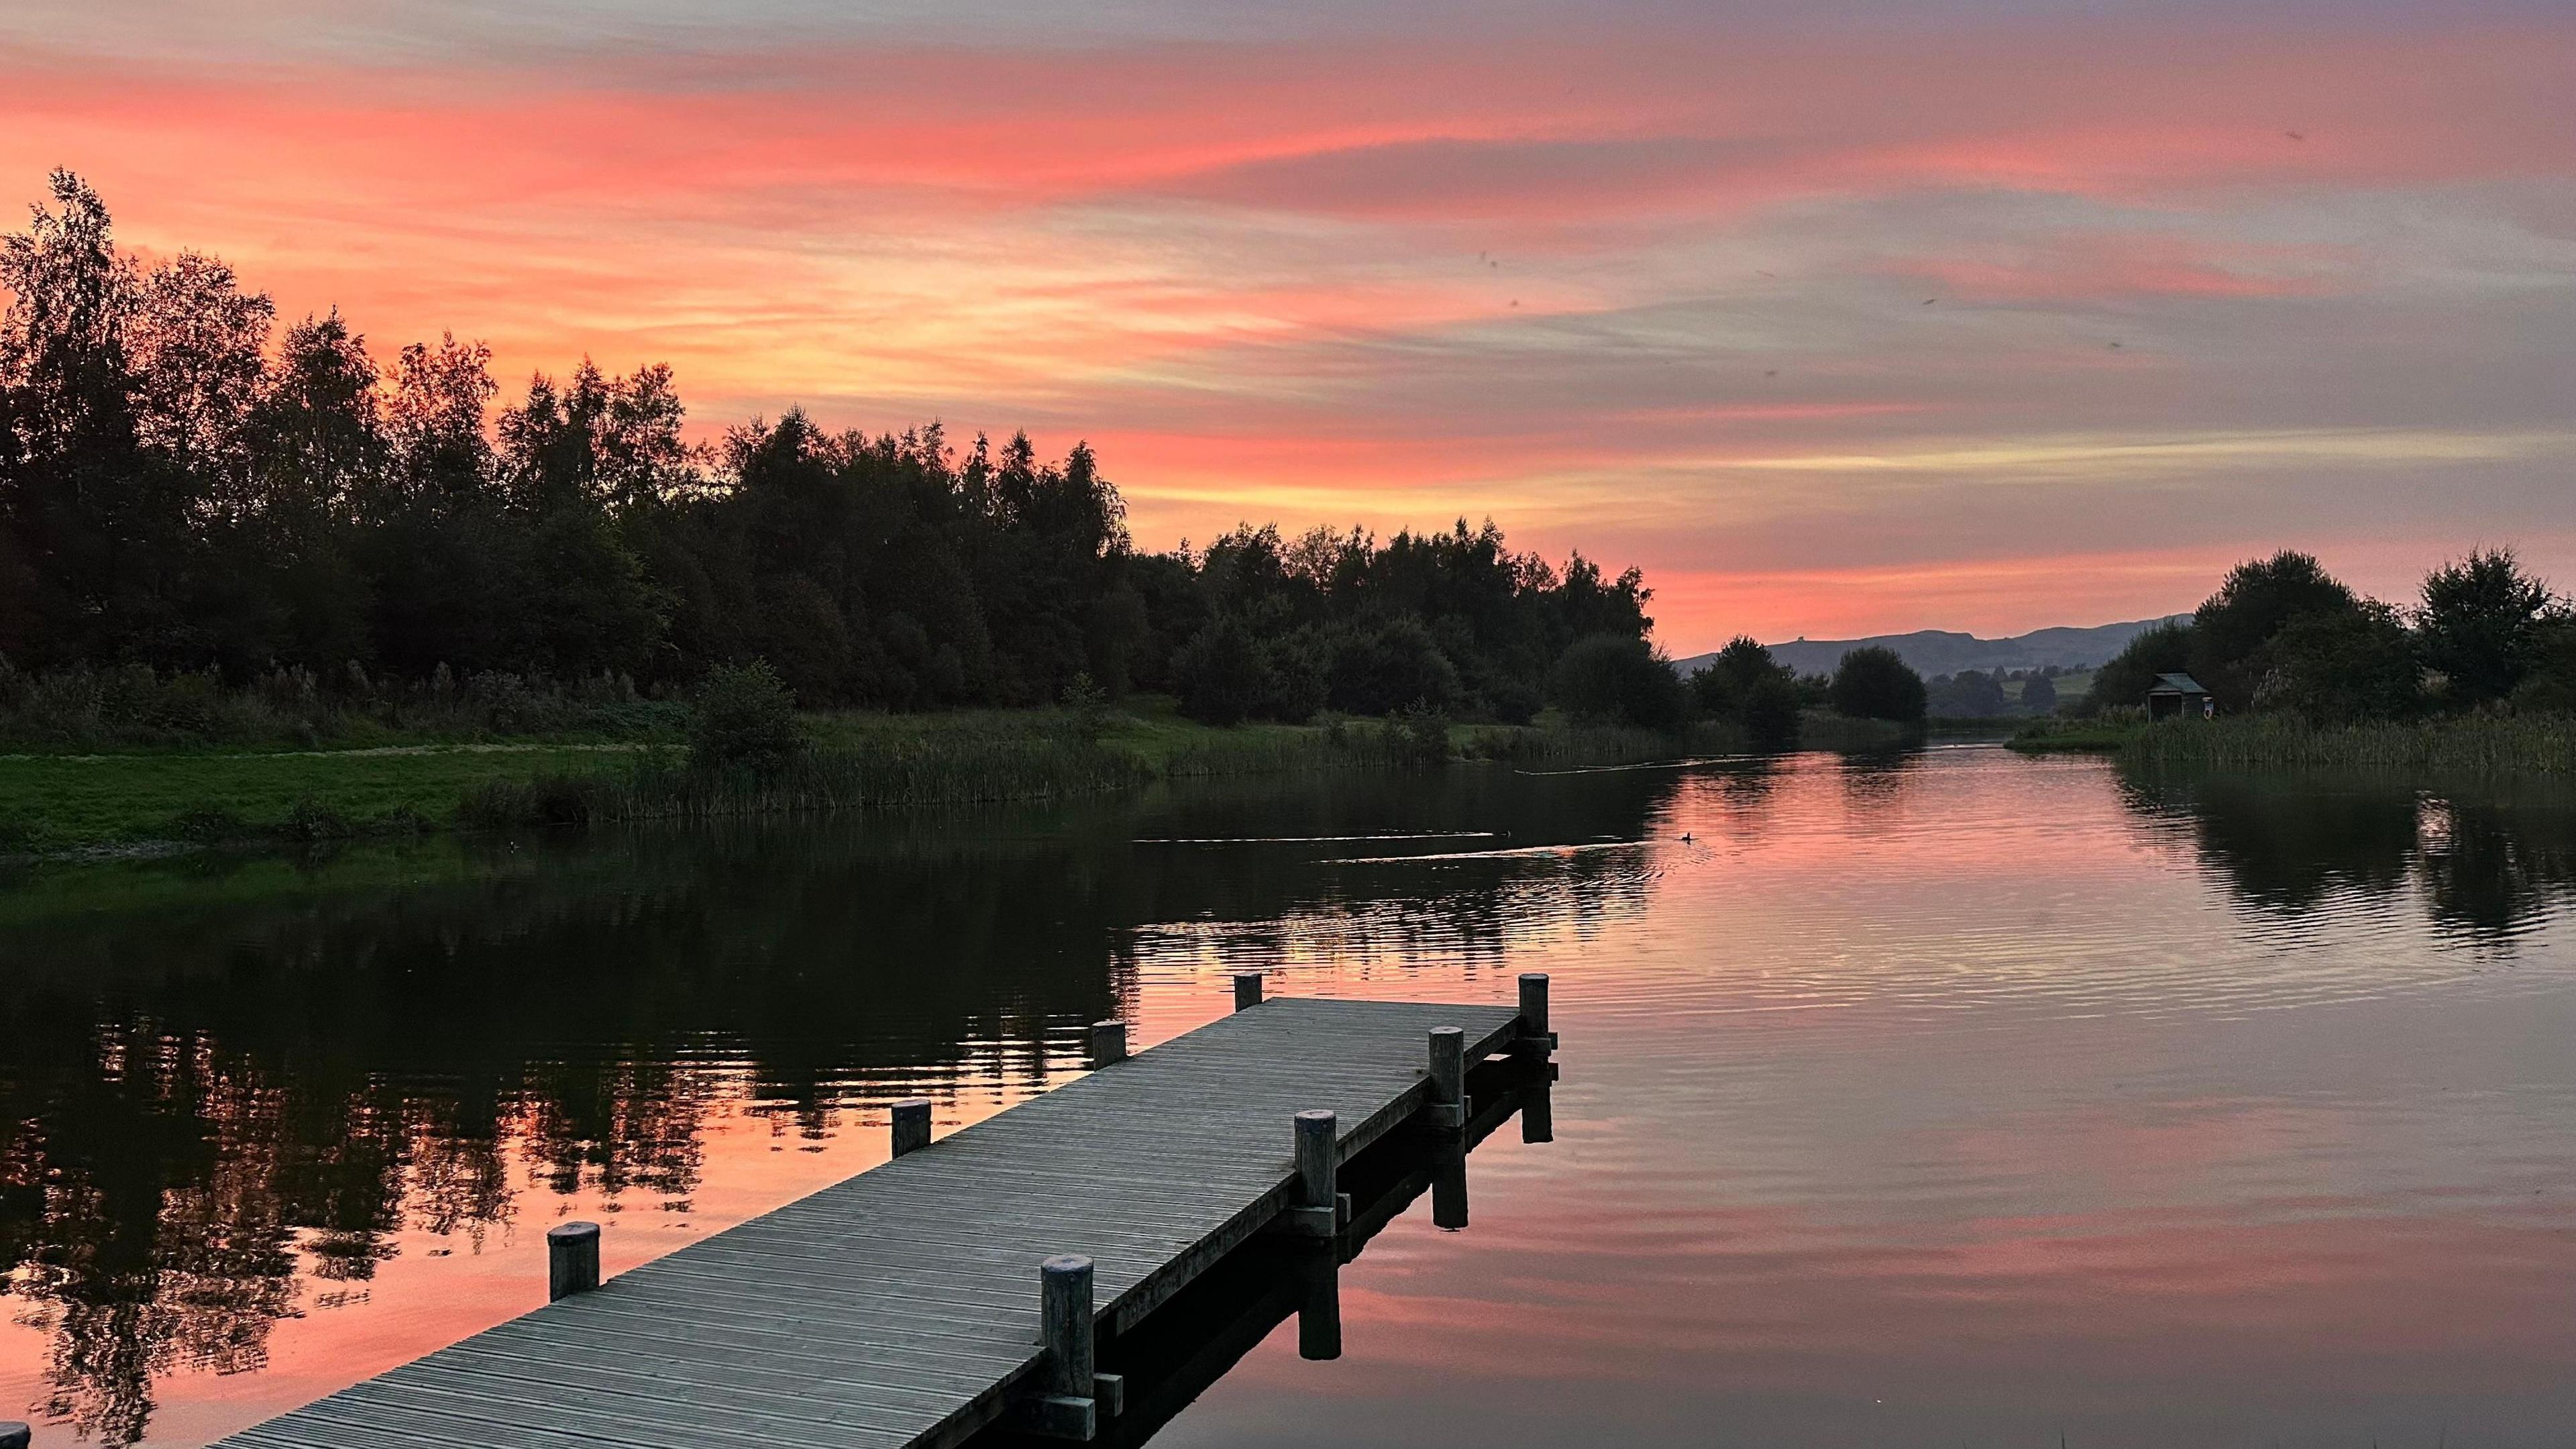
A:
1257,626
2282,635
1981,694
1745,685
184,491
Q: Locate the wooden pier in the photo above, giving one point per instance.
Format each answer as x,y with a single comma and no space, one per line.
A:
968,1280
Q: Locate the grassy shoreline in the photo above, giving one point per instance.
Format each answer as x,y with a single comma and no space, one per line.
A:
2473,744
142,802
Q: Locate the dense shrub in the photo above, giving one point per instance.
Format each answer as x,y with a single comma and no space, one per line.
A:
1876,683
1612,679
1969,694
1220,674
1770,713
746,718
1510,699
1423,733
1743,684
1715,694
1293,683
2549,685
2252,604
2338,666
1381,666
2480,621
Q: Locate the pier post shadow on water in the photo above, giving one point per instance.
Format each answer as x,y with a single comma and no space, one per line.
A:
1199,1336
893,1306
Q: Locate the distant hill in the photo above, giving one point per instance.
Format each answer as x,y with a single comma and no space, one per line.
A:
1938,651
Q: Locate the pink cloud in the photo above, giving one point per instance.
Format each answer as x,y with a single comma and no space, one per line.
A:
2110,268
1400,279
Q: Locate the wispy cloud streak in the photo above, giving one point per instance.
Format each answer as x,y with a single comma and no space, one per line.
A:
1738,295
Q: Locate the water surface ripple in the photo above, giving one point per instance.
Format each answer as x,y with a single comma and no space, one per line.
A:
1936,1098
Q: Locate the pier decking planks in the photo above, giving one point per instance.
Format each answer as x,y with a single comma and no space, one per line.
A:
900,1307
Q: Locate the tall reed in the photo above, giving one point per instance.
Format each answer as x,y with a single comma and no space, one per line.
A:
2472,744
903,771
1599,744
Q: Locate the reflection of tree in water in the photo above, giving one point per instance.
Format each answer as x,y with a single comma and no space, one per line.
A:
203,1108
2286,843
2491,868
1876,781
143,1219
2491,858
460,1178
1744,790
1468,912
159,1197
631,1127
1412,902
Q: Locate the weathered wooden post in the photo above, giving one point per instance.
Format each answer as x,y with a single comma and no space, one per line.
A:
1319,1219
1448,1077
1534,1027
1071,1397
1318,1155
1316,1212
1064,1295
16,1434
1108,1042
572,1259
1247,989
1065,1407
911,1125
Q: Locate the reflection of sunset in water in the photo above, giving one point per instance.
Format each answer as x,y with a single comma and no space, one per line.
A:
1946,1096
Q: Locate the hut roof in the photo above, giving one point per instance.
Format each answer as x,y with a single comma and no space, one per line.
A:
2177,684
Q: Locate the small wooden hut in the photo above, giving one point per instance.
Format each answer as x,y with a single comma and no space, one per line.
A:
2178,696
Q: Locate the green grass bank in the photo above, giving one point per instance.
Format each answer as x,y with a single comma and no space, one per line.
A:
152,800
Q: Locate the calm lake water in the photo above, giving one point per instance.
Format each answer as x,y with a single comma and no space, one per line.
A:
1951,1098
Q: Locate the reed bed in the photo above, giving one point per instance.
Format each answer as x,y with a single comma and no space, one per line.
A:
875,774
2471,745
1277,751
1597,744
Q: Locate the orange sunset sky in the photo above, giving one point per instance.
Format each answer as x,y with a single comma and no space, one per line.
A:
1834,318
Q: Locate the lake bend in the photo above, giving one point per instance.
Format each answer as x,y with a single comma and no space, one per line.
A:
1939,1097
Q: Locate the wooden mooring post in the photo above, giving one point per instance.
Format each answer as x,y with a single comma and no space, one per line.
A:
1317,1144
1108,1042
572,1260
1073,1395
1448,1078
1247,989
911,1125
1535,1032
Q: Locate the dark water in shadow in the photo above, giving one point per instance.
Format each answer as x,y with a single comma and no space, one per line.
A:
1936,1098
